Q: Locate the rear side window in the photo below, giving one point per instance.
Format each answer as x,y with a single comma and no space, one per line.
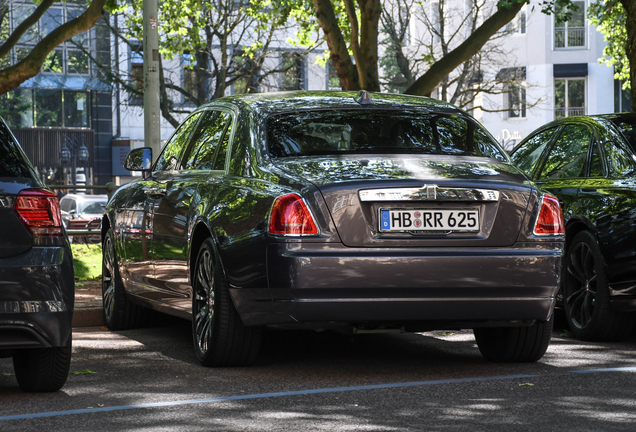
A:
207,140
627,125
12,160
619,162
528,154
567,156
331,132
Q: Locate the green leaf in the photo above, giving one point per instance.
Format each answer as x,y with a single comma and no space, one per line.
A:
83,372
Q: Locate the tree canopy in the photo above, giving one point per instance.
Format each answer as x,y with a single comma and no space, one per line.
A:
616,20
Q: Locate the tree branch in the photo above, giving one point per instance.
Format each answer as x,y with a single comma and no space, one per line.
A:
20,30
30,66
425,84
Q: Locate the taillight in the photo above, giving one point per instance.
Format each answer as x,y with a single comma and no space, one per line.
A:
39,211
550,220
290,216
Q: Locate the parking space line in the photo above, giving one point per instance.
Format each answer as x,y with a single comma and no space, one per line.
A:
259,396
618,369
294,393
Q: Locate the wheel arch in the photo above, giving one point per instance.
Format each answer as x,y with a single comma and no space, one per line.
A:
200,232
105,226
577,225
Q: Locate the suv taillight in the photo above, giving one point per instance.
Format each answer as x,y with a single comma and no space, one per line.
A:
39,211
550,220
290,216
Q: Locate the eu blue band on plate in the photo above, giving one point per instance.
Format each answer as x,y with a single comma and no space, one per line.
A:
386,219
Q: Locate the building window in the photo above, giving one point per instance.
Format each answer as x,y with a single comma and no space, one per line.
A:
292,71
190,82
333,82
622,98
569,97
245,73
69,57
518,24
137,75
516,105
436,22
55,108
570,33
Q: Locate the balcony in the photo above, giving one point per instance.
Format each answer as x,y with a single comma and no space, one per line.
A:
569,37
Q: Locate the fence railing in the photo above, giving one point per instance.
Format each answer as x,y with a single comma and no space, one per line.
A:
568,112
569,37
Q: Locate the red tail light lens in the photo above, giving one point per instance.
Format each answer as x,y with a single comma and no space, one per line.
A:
290,216
39,211
550,220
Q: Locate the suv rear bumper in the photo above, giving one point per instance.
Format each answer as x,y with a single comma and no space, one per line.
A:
315,282
37,292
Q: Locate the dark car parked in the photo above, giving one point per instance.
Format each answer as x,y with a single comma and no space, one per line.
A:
333,210
589,163
37,284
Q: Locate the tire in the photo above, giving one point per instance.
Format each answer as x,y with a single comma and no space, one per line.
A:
119,312
586,297
42,369
220,338
514,344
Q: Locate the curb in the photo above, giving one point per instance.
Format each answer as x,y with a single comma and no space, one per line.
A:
90,317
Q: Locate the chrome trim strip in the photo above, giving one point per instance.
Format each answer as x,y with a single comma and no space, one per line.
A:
428,193
32,306
411,299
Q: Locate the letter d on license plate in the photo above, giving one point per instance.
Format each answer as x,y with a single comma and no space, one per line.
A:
457,220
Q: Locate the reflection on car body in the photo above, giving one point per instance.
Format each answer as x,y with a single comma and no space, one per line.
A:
589,163
264,210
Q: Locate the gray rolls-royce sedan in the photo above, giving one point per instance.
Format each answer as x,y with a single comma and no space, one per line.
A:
333,210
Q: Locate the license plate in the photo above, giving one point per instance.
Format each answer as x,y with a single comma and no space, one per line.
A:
401,220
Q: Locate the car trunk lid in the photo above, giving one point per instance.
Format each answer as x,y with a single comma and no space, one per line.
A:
491,197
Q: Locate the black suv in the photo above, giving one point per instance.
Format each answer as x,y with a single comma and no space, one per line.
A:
37,288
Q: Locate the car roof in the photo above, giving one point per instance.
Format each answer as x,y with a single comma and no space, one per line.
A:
278,102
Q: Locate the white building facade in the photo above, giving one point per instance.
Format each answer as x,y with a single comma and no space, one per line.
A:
561,75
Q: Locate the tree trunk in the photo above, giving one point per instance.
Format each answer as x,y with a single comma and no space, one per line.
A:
425,84
630,49
370,11
338,53
31,65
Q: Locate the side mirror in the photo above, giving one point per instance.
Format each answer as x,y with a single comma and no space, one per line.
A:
139,159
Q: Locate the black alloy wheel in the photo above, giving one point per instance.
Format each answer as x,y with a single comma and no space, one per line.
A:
203,304
586,296
119,312
220,338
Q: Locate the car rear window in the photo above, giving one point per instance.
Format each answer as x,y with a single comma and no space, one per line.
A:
331,132
12,160
94,208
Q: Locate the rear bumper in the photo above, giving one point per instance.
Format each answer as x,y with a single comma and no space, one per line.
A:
314,283
37,291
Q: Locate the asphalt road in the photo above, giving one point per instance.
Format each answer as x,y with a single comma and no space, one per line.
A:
149,380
